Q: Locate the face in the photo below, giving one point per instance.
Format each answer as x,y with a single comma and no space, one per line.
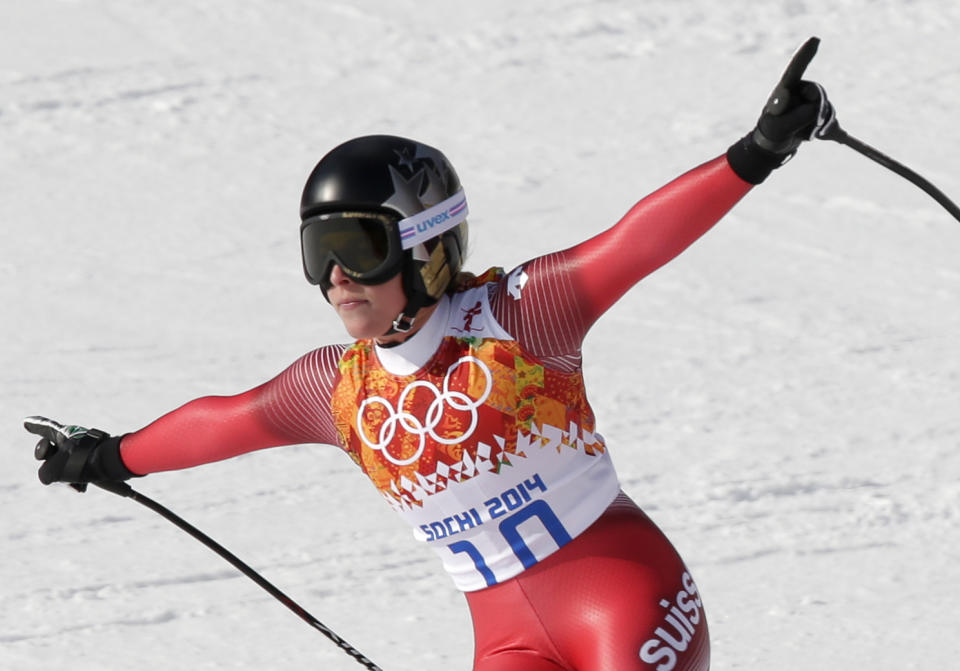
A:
367,311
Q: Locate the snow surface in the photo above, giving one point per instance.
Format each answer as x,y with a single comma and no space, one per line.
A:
784,399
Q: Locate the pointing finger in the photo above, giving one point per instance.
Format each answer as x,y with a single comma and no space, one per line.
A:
45,428
780,98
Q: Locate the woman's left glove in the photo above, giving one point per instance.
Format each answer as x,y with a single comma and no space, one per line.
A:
798,110
75,454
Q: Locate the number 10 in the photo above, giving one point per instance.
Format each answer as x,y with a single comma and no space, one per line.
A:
510,533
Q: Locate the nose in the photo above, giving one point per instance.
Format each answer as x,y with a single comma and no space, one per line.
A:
337,276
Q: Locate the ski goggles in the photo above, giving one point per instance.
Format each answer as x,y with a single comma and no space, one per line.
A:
369,246
365,245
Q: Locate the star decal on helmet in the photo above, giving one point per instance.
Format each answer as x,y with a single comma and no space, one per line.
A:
406,192
424,187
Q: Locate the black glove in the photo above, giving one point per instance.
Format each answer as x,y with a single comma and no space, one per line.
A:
797,110
76,455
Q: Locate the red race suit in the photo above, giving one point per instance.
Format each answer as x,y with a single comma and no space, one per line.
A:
478,432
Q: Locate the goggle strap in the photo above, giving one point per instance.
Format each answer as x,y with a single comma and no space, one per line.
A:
433,221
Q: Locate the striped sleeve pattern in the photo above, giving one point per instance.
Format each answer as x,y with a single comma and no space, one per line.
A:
293,407
549,303
544,314
297,402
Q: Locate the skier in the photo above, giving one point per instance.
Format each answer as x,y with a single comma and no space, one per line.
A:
462,398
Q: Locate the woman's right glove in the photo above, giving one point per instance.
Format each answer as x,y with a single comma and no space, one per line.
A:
75,454
797,110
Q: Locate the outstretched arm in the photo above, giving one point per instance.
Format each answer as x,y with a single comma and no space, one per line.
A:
294,407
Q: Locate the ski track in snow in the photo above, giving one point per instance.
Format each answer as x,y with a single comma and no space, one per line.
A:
791,411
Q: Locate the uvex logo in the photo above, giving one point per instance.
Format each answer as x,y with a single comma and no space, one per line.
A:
432,221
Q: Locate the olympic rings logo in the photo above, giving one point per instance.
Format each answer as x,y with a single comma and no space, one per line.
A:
422,428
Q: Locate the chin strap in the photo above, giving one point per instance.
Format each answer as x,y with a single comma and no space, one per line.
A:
406,319
416,299
403,323
426,276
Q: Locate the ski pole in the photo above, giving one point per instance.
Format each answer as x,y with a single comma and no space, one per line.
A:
778,103
837,134
125,490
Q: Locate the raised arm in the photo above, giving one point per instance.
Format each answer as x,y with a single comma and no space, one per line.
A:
549,303
650,234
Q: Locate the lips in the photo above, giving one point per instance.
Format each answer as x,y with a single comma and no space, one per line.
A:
351,302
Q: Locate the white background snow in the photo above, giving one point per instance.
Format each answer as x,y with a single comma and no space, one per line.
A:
783,399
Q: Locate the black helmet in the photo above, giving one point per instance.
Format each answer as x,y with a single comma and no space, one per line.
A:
380,205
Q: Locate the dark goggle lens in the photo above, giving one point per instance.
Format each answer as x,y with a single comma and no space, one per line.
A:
359,243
